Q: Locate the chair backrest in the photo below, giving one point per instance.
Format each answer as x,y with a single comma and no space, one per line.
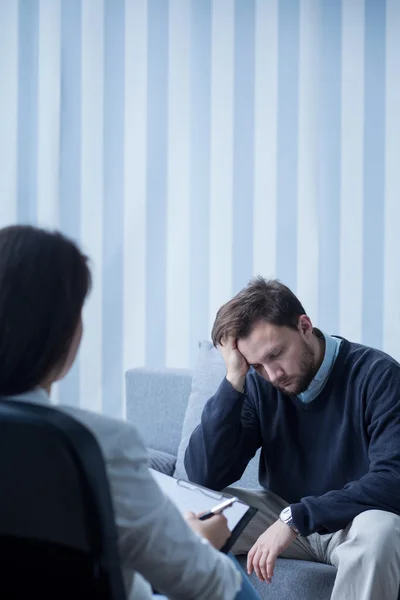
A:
57,531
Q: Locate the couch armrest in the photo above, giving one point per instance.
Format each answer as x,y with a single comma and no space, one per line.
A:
162,461
156,401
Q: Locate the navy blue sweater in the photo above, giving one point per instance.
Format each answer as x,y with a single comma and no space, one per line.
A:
330,459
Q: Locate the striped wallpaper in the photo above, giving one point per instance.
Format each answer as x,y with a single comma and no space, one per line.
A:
189,144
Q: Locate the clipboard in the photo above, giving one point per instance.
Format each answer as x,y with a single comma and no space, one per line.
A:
188,496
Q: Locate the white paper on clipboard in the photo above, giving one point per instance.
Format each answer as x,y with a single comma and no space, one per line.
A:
189,497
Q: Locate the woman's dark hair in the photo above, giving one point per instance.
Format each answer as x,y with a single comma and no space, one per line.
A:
44,280
261,300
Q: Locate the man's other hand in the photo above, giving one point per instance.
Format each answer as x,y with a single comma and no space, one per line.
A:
262,556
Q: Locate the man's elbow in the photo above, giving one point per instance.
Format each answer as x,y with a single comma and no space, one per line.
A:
193,466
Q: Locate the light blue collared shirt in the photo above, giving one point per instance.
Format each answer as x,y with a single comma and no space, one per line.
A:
332,345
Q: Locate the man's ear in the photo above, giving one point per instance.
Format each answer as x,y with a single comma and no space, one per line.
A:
305,326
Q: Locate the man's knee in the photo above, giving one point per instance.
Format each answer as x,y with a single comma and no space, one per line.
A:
377,522
377,533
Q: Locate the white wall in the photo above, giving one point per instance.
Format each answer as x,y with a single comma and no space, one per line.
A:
188,145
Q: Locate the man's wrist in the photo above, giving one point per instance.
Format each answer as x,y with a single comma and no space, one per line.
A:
237,382
286,517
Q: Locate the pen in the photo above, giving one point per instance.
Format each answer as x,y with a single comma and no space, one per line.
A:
218,509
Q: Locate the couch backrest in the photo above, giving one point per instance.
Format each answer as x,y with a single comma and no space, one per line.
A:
156,401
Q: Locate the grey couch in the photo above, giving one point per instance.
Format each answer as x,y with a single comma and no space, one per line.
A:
157,403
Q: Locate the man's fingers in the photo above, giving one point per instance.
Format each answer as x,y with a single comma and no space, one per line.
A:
256,565
271,565
263,566
227,342
250,556
261,562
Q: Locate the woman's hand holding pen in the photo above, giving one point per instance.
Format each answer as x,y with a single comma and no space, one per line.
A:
215,529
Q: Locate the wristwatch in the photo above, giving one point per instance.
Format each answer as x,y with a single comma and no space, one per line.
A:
286,517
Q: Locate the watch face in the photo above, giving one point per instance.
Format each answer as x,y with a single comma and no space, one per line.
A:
287,513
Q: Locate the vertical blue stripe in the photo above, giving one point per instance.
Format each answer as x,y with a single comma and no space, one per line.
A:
287,154
71,126
200,143
113,210
156,213
374,172
330,160
28,90
243,144
70,150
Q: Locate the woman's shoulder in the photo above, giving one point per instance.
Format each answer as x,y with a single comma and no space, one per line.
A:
115,436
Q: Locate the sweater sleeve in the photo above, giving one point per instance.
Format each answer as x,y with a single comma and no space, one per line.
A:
379,488
226,439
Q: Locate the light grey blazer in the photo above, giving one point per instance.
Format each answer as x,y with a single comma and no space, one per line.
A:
156,546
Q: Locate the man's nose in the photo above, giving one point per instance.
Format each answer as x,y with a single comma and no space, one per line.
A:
274,375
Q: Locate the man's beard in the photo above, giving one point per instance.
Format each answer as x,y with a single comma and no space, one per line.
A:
308,370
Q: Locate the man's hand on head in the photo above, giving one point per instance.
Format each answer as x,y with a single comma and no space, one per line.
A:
236,364
262,556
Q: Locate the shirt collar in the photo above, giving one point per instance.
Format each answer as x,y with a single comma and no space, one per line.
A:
332,345
36,396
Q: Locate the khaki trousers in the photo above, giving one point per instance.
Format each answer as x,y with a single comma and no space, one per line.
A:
366,553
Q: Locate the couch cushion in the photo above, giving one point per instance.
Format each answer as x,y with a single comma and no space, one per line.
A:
208,374
295,580
161,461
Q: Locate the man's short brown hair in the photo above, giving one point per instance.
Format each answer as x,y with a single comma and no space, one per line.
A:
261,300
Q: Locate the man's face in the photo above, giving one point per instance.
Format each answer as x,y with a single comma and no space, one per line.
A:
283,356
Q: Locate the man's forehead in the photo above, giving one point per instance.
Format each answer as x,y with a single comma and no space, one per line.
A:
263,339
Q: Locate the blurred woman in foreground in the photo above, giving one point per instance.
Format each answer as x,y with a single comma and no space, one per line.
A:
44,281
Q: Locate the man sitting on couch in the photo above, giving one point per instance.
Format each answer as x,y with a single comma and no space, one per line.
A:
326,413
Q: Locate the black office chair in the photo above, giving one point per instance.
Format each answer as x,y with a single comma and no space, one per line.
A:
58,537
